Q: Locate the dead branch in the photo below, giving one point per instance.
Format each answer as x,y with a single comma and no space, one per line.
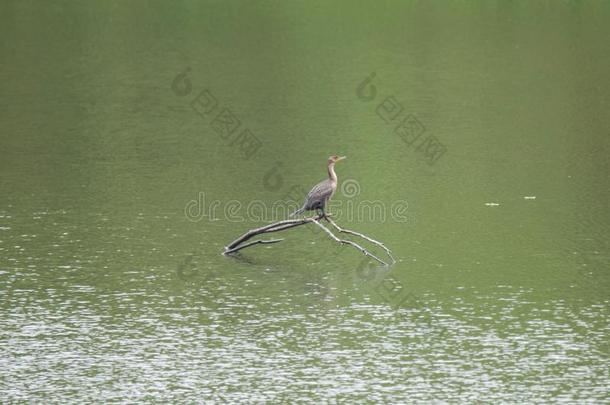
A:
235,249
274,227
240,243
350,232
349,242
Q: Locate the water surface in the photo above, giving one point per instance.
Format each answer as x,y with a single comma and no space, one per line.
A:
112,285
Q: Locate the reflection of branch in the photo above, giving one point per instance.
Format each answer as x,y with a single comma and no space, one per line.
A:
381,245
239,243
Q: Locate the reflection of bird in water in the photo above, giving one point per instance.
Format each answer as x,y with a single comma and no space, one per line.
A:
321,192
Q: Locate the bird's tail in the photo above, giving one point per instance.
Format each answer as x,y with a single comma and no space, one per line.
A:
297,212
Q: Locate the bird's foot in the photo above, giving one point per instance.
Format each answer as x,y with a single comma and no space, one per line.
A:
326,215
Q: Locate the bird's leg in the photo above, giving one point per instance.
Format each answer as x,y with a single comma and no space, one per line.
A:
324,214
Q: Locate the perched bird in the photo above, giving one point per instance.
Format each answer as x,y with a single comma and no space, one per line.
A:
321,192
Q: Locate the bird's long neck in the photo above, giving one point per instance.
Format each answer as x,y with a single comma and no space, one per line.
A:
331,172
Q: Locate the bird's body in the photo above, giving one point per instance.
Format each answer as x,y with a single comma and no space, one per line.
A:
322,192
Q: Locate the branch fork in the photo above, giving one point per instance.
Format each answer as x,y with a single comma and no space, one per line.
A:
242,241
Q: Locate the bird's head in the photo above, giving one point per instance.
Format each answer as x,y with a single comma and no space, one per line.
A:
334,159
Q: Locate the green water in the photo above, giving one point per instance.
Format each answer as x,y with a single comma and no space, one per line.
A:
112,159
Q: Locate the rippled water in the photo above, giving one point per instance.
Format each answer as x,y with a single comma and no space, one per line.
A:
112,285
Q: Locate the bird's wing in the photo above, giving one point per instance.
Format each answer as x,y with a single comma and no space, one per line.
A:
322,189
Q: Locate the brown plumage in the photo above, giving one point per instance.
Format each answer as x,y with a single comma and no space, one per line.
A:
323,191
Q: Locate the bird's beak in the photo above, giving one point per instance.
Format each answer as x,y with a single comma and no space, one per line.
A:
341,158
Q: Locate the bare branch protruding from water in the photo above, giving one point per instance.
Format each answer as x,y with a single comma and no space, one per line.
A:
240,243
376,242
256,242
349,242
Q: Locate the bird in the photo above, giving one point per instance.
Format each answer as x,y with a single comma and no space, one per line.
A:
323,191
